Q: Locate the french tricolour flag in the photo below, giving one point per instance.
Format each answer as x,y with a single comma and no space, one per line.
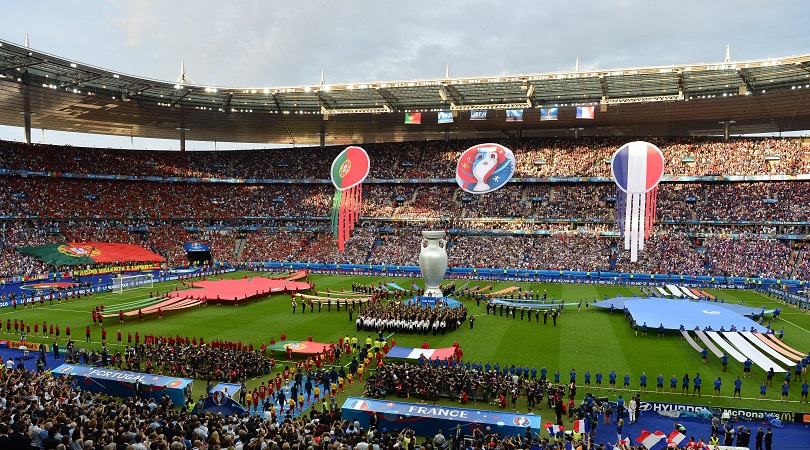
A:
637,168
582,426
585,112
652,440
676,437
553,428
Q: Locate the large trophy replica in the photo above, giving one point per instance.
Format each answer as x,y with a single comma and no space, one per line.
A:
433,262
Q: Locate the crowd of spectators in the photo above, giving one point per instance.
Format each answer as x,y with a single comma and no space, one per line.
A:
574,202
20,234
664,253
749,257
162,216
558,157
586,252
401,245
66,198
323,248
43,411
680,250
484,251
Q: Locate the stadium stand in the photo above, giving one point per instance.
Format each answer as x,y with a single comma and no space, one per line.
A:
707,226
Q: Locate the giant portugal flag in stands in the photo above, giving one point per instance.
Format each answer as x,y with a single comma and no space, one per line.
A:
81,253
349,169
637,167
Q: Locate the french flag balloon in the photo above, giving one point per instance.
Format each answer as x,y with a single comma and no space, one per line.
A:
637,168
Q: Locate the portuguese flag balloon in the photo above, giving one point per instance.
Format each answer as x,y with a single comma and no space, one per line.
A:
349,169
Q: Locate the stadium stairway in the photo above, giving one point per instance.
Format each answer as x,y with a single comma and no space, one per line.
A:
795,257
416,194
239,247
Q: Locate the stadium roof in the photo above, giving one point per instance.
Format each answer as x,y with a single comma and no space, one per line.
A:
685,100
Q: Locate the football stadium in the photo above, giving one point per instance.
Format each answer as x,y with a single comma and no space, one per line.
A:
541,261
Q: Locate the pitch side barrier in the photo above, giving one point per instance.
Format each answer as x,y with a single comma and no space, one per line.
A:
100,288
523,275
742,413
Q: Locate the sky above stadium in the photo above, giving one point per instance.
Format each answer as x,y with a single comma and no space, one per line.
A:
262,43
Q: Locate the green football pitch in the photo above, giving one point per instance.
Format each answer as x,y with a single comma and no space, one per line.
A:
583,340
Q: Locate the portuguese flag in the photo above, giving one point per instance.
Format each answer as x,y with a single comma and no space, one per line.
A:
349,169
413,118
79,253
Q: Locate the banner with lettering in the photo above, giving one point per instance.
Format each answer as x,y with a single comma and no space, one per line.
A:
425,419
120,383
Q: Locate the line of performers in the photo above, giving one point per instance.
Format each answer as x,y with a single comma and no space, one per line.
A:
410,318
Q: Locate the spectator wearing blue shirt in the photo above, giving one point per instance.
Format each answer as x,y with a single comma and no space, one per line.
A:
588,378
737,388
673,384
798,371
557,377
724,358
643,381
805,386
685,385
659,383
627,381
696,382
534,372
526,372
762,389
704,354
785,388
717,384
612,378
573,375
599,379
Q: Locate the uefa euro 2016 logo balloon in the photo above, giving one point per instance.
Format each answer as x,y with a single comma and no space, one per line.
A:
484,168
